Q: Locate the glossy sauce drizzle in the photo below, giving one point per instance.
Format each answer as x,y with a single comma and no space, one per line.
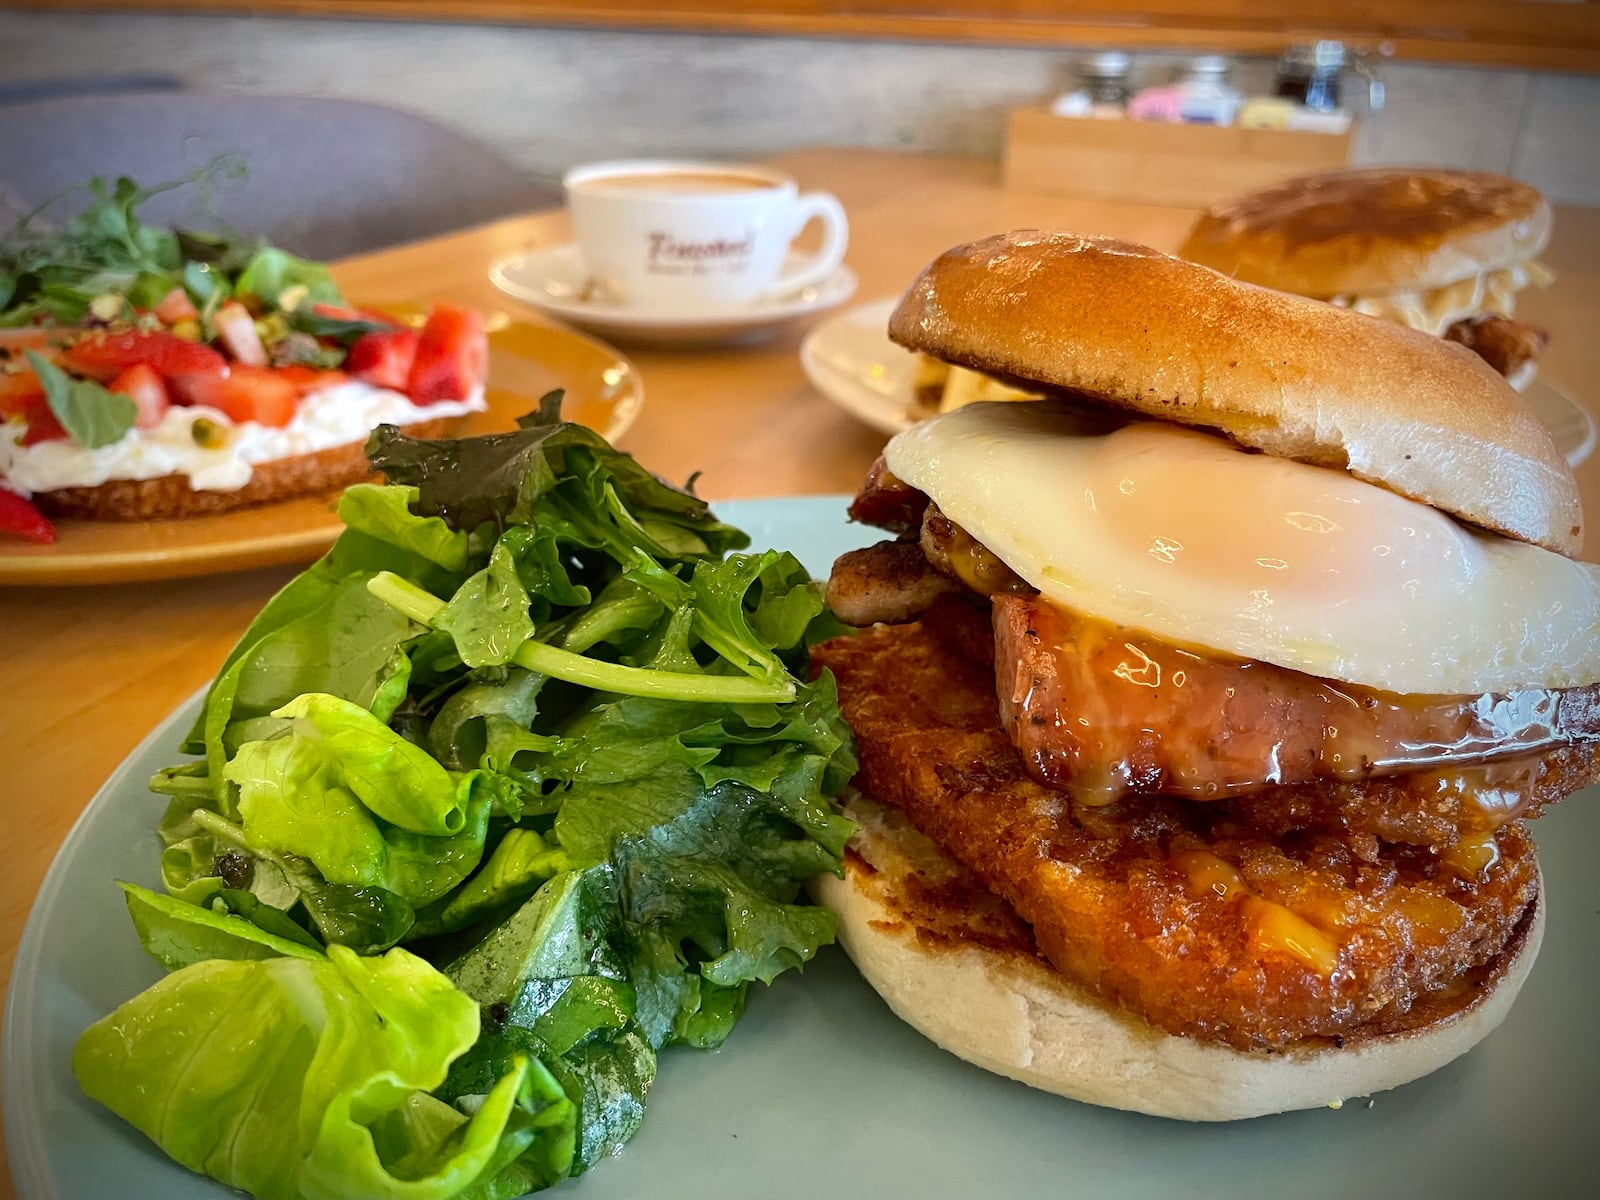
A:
1100,711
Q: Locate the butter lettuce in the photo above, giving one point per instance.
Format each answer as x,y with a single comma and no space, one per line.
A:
300,1058
360,803
535,732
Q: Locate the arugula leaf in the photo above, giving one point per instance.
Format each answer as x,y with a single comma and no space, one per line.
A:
91,415
525,477
344,330
488,616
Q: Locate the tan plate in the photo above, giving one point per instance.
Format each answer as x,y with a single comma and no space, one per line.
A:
525,361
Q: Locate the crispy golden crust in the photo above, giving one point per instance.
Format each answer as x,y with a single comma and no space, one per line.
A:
171,496
955,962
944,907
1121,325
1507,345
1372,232
1177,911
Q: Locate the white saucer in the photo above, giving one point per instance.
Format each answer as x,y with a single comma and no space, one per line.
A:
556,280
850,360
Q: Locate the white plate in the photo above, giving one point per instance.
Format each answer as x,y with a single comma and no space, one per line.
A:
556,280
1570,422
821,1091
850,359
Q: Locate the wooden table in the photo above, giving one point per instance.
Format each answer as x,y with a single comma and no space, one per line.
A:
86,672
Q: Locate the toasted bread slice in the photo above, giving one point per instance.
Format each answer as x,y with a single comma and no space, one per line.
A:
171,496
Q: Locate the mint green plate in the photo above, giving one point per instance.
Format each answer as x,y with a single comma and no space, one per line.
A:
821,1092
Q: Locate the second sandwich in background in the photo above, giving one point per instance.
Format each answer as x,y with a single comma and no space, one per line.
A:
1442,251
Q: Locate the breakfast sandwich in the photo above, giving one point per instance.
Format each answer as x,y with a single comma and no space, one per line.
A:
1438,250
1200,706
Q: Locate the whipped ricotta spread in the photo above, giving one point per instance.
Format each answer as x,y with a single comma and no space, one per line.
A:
332,417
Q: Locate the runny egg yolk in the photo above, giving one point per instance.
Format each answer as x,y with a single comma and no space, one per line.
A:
1189,537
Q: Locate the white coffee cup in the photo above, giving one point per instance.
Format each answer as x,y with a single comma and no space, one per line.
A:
698,236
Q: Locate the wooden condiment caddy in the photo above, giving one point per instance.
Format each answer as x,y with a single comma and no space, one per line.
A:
1155,162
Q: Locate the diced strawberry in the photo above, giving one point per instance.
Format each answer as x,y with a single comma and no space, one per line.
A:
246,394
104,356
383,359
20,517
236,330
176,306
452,356
147,390
43,426
22,395
17,386
308,379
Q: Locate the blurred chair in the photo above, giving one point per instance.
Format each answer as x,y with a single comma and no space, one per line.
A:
326,178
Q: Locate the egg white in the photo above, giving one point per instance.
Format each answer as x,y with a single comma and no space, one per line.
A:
1188,537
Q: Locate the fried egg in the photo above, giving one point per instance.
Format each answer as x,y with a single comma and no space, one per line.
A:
1188,537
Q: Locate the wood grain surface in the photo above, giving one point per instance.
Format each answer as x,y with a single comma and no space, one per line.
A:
1501,32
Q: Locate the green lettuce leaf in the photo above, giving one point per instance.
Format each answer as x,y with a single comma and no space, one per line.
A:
324,632
301,1059
365,806
385,514
177,934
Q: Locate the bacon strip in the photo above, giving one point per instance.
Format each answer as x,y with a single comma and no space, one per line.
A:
1099,711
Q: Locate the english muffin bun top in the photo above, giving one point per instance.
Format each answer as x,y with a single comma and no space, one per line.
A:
1372,232
1121,325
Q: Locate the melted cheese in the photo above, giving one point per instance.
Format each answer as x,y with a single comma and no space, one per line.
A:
1490,293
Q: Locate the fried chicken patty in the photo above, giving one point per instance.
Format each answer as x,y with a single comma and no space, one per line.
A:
1506,345
1200,922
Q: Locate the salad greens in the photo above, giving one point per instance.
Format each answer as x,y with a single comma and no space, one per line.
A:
515,787
105,262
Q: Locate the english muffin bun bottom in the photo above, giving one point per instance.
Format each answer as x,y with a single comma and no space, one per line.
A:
1372,232
1012,1014
1120,325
